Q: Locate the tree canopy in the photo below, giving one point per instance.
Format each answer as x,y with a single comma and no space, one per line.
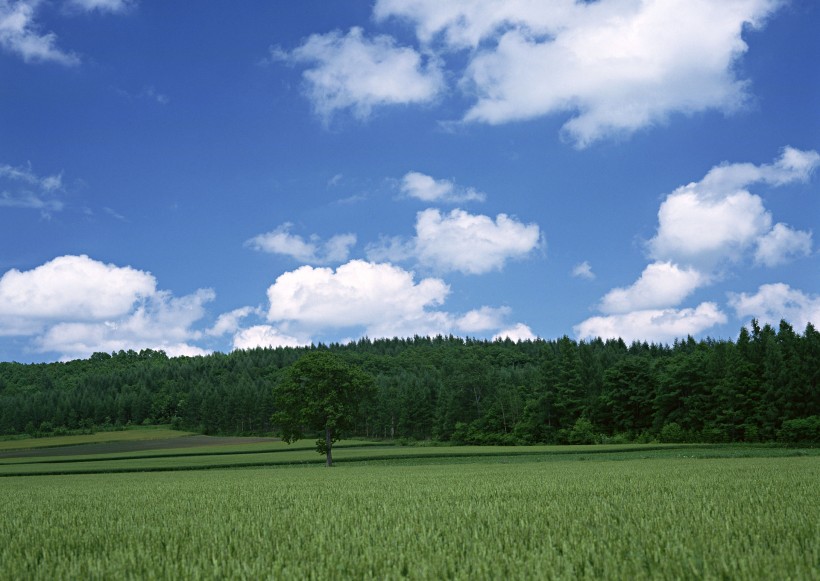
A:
321,393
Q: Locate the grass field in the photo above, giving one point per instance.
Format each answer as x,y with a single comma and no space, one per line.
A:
698,512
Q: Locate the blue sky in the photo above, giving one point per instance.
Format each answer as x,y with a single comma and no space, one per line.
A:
279,173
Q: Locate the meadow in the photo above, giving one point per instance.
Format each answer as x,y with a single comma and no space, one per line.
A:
423,513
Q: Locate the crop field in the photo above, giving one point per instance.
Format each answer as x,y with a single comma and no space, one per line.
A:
568,513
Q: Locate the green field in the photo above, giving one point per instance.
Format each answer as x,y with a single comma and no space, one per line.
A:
637,512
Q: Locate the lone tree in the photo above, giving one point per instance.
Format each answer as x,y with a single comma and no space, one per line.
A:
321,393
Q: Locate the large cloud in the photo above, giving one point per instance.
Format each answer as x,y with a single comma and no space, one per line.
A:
73,288
460,241
717,219
353,72
74,306
357,293
773,302
379,299
655,325
662,284
313,251
617,65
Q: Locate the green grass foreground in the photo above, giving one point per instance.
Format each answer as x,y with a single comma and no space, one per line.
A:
662,513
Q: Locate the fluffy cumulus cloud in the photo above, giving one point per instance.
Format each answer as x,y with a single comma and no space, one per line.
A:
518,332
74,305
654,325
717,219
352,72
463,242
773,302
378,299
427,189
264,336
782,244
483,319
662,284
20,187
357,293
312,251
73,287
704,228
616,66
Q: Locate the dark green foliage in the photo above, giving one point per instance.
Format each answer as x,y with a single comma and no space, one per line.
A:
320,393
761,387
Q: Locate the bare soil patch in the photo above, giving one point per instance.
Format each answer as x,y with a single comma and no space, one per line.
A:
195,441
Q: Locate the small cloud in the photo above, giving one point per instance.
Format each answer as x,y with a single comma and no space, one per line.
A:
312,251
425,188
20,187
517,333
335,180
583,270
352,72
781,245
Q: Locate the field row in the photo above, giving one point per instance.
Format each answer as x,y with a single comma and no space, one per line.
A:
661,518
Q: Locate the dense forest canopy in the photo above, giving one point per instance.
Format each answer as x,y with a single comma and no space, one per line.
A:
761,387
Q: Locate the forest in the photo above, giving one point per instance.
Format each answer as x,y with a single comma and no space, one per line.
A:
761,387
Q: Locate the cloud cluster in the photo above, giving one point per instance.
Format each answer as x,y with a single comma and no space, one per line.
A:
313,251
365,298
351,72
613,66
20,187
703,229
74,305
773,302
428,189
460,241
20,32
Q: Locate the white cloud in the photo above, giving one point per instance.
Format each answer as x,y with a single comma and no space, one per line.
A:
472,244
228,323
19,34
73,288
162,322
460,241
423,187
264,336
74,305
583,270
616,65
716,219
519,332
773,302
20,187
662,284
655,325
782,244
102,5
380,297
483,319
281,241
356,73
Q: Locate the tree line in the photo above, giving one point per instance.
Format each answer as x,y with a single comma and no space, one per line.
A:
761,387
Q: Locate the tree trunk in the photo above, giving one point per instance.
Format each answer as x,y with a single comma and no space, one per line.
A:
328,444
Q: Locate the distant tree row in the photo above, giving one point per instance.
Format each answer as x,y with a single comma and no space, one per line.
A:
761,387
